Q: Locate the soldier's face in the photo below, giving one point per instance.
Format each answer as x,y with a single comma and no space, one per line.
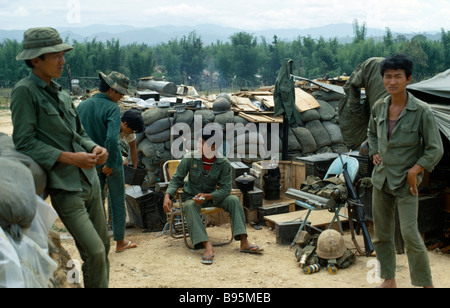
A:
204,148
51,67
395,81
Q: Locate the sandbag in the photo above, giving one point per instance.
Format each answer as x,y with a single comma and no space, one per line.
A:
326,111
294,144
8,150
161,137
249,138
139,138
150,149
306,139
151,115
319,133
158,126
310,115
224,118
238,119
327,95
206,114
186,116
18,197
334,131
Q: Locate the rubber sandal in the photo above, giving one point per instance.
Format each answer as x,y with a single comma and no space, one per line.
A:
252,250
129,246
208,260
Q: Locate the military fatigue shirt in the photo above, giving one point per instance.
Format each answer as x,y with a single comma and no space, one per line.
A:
414,140
201,182
47,124
101,120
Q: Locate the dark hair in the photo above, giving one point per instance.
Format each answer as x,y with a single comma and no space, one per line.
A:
103,86
397,62
134,120
30,65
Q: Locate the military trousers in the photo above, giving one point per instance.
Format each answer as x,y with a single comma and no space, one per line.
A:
115,185
196,229
385,201
84,217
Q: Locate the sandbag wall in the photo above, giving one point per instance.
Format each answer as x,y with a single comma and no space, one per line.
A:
154,145
320,132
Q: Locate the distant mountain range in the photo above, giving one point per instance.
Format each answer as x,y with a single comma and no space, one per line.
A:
209,33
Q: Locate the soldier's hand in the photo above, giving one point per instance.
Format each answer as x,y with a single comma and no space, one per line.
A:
81,160
101,154
167,205
376,159
107,171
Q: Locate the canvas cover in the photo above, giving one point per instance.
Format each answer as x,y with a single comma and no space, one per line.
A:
436,92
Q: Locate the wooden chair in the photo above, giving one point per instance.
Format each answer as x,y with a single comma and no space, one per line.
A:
169,169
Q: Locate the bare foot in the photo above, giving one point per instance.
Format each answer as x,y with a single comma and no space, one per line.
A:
209,250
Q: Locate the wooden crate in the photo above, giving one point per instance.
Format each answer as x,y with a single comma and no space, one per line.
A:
222,217
293,174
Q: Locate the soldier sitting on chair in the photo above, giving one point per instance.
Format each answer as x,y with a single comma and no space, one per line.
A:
200,190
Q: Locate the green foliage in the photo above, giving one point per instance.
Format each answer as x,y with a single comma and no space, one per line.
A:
244,59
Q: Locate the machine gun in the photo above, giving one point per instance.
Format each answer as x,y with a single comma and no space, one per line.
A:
355,207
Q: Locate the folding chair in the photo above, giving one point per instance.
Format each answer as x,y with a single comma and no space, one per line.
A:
310,201
169,169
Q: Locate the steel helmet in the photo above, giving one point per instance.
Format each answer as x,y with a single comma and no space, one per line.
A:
221,105
225,95
330,245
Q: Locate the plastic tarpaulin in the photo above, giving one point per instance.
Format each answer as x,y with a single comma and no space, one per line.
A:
26,263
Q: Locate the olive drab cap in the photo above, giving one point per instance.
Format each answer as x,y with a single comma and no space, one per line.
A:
116,81
39,41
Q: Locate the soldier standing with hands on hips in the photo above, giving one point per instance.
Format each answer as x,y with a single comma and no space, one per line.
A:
404,141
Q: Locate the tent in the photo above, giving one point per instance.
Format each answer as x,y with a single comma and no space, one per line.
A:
436,92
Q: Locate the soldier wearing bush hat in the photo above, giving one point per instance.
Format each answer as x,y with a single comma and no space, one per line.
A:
101,118
48,128
39,41
116,81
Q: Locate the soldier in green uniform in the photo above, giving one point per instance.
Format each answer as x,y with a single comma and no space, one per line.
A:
100,116
404,141
206,172
47,128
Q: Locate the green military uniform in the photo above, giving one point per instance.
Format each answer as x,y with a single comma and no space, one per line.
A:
101,119
200,181
45,125
414,140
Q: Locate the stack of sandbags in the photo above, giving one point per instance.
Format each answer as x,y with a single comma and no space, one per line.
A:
331,124
320,131
154,144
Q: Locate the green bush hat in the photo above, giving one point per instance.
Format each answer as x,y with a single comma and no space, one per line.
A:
39,41
116,81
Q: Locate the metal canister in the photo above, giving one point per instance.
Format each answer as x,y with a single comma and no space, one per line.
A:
311,269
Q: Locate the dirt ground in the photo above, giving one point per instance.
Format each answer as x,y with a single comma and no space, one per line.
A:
160,261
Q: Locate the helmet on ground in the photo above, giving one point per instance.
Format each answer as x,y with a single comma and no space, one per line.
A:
221,105
330,245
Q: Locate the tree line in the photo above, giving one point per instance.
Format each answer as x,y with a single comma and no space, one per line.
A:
243,60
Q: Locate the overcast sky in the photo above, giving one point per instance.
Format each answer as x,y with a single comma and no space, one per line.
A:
399,15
